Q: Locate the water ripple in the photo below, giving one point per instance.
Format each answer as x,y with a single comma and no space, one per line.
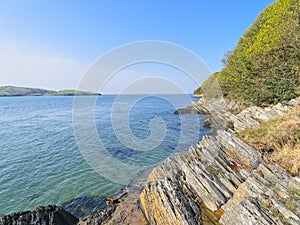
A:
40,163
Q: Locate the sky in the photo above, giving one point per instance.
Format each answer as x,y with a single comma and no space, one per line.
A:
51,44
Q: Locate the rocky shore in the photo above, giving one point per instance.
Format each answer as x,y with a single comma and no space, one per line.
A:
51,215
221,180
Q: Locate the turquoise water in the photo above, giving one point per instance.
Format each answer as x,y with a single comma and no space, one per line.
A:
40,162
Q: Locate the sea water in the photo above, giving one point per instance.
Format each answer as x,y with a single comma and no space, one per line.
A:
41,164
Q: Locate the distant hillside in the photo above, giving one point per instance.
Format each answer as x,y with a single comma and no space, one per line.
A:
7,91
264,68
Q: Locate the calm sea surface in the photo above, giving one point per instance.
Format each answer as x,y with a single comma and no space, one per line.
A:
40,162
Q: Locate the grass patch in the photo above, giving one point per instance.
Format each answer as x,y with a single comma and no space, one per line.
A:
291,205
209,217
296,192
279,140
267,204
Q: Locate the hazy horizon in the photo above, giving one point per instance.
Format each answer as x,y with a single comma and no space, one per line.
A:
51,45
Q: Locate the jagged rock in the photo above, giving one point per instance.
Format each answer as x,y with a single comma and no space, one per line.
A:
224,174
207,122
187,110
83,206
197,95
221,180
248,117
258,200
220,114
50,215
98,217
117,197
123,208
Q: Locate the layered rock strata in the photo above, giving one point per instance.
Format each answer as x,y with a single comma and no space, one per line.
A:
221,180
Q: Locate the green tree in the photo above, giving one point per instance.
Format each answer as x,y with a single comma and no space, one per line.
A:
264,68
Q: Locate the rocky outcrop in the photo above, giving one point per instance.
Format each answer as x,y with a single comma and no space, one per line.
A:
122,208
249,117
98,217
197,95
50,215
83,206
187,110
221,180
226,177
220,116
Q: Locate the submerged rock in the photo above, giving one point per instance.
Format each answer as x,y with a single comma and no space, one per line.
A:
83,206
122,208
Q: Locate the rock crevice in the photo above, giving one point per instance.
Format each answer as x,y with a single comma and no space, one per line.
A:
231,179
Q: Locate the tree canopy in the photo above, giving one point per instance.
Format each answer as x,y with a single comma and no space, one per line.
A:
264,68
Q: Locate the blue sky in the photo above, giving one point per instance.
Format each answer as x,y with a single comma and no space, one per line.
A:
50,44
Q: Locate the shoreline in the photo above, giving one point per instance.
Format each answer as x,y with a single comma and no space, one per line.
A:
211,174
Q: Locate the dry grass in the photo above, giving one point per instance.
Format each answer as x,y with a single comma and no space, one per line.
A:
209,217
279,140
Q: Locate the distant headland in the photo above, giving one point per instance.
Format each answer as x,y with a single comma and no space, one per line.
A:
11,91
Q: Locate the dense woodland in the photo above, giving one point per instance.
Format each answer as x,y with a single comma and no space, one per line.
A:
264,68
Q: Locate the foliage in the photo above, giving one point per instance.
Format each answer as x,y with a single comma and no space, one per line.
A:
279,140
23,91
72,92
210,87
264,68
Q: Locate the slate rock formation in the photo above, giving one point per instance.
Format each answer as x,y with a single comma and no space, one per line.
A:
221,180
50,215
